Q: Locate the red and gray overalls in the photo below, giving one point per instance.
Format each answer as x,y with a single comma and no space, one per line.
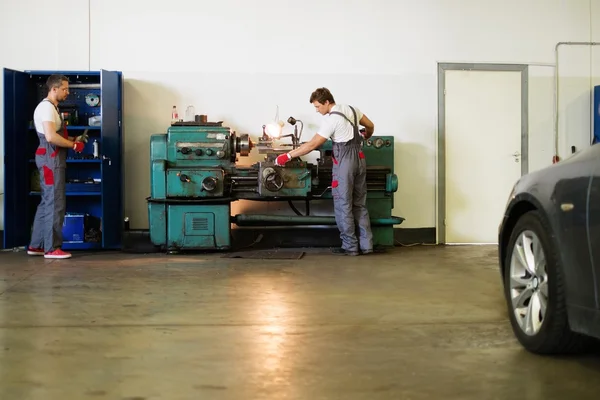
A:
349,189
51,161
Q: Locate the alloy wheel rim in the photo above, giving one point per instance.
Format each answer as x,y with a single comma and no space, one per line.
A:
529,283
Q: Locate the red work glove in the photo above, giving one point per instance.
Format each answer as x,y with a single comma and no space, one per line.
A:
282,159
78,147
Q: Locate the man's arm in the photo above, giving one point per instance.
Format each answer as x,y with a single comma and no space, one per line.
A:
316,142
369,126
54,138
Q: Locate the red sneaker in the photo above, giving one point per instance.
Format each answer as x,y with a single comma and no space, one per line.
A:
57,254
35,252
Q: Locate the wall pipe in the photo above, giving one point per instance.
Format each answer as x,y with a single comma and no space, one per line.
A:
556,89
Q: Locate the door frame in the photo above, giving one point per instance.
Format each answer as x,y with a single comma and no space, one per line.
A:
441,137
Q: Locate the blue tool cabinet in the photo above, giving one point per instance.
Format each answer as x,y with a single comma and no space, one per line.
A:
94,183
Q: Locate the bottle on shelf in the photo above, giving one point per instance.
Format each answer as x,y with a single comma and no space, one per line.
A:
174,115
96,149
190,113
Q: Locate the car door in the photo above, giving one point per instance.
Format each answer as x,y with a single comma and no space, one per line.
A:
570,205
593,220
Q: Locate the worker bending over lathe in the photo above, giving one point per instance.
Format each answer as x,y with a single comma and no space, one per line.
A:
349,180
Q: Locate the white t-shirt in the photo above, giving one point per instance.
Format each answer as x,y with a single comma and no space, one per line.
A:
45,111
336,127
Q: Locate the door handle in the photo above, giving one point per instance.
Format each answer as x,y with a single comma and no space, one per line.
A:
516,155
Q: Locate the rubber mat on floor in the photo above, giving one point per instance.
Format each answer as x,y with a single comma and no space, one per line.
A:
267,255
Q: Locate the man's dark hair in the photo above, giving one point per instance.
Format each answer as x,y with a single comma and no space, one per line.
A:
322,95
55,81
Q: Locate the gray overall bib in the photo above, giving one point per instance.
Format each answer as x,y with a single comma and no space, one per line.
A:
349,189
51,162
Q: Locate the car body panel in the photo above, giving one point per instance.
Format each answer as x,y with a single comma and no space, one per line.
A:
567,195
593,225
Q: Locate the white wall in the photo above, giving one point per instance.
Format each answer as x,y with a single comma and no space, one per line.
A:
37,34
235,61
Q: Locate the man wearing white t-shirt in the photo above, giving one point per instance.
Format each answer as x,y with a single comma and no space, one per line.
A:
349,187
51,160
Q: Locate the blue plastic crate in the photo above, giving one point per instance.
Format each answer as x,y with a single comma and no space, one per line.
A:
74,228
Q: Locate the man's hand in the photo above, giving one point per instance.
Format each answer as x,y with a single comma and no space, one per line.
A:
78,147
367,132
282,159
83,137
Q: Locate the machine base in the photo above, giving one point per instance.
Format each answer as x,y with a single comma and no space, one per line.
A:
181,226
190,226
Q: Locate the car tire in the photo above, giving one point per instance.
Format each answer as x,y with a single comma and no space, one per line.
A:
553,335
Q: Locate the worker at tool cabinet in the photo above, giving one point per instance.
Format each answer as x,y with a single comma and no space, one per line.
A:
349,187
51,161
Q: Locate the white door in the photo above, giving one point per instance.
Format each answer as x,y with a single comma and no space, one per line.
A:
483,148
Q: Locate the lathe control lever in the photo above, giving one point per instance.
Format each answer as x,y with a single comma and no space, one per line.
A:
183,177
303,175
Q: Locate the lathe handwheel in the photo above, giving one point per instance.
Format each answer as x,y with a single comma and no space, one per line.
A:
209,184
273,181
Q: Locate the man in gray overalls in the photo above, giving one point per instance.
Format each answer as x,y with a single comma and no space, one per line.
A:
349,186
51,161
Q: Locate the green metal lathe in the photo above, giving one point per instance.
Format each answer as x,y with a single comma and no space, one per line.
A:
194,179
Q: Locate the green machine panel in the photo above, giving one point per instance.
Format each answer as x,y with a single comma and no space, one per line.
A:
198,226
199,145
157,215
195,182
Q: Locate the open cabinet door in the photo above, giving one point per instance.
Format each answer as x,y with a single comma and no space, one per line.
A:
112,199
16,192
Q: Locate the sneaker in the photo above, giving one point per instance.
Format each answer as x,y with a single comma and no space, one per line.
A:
57,254
363,252
34,251
344,252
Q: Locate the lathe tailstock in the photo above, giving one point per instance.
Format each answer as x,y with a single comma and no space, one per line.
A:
194,178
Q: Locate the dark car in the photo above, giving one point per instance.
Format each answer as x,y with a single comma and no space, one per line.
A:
549,254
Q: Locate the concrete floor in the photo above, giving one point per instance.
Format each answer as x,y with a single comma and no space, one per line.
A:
418,323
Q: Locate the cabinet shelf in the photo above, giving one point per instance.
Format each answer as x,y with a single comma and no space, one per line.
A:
72,193
77,127
83,160
83,127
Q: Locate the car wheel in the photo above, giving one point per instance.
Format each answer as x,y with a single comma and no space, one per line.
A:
535,292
